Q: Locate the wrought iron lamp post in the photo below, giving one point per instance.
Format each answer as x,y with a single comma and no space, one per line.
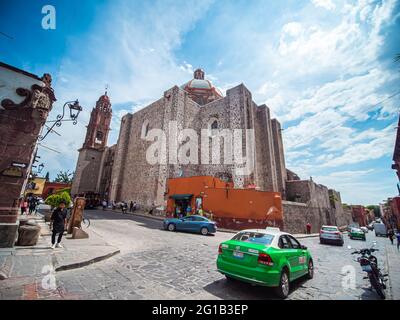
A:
74,110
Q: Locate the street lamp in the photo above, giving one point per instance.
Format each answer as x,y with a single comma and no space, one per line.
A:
40,168
74,110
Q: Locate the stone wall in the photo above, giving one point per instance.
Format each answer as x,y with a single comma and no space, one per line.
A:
279,157
87,172
314,202
296,216
25,102
343,216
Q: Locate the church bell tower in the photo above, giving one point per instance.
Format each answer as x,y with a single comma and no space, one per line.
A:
89,173
99,124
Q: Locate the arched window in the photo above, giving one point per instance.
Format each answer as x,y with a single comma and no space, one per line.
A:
212,126
145,129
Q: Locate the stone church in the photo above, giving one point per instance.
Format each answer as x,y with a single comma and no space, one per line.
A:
122,172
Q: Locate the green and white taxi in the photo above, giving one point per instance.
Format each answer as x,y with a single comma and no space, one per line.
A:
266,257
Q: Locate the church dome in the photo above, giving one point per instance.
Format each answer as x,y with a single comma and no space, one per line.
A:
201,90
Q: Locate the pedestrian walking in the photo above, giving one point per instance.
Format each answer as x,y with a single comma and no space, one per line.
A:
124,207
391,235
135,205
188,210
398,239
104,204
308,227
114,205
32,205
58,223
131,206
24,206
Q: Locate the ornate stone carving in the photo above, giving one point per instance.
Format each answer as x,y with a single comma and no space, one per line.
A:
8,104
37,97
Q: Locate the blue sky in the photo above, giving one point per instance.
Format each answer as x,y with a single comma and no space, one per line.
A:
322,66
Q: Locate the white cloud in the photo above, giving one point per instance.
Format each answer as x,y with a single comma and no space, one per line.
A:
133,52
326,4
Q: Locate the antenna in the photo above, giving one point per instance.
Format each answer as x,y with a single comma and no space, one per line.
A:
106,88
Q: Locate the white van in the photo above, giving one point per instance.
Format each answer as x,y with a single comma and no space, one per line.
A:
380,229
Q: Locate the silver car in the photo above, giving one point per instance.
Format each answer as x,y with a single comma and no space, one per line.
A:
330,234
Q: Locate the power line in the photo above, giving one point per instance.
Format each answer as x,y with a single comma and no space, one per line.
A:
6,35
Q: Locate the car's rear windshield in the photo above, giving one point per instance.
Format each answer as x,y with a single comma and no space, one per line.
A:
329,228
254,237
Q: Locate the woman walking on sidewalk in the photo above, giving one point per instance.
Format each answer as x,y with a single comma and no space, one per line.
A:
398,239
58,223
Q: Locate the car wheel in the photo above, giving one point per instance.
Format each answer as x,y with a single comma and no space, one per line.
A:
171,227
310,273
204,231
282,290
230,279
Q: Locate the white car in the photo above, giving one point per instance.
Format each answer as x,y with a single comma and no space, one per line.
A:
330,234
365,229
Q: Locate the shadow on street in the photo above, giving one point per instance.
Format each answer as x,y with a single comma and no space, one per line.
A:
235,289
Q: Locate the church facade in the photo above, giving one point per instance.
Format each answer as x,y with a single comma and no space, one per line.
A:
194,111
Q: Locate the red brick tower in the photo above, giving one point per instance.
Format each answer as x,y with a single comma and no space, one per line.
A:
99,124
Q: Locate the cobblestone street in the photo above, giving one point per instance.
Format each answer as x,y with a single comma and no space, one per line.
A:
157,264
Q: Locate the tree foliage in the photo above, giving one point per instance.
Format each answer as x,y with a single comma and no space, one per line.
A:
377,210
55,199
64,177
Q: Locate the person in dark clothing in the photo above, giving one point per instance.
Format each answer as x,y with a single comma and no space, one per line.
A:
131,206
391,235
32,205
124,207
398,239
58,222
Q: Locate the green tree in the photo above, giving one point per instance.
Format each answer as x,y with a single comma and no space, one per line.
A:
377,210
55,199
64,177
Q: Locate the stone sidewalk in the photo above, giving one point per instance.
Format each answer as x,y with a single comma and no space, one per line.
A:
146,215
30,261
393,266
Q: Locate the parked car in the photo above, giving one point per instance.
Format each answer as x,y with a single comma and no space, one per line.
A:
365,229
330,234
357,233
371,226
352,225
265,257
193,223
380,229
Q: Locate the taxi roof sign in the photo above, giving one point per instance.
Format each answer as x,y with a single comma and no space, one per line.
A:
273,229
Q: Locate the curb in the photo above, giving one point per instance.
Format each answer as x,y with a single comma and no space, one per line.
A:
86,263
219,229
387,269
